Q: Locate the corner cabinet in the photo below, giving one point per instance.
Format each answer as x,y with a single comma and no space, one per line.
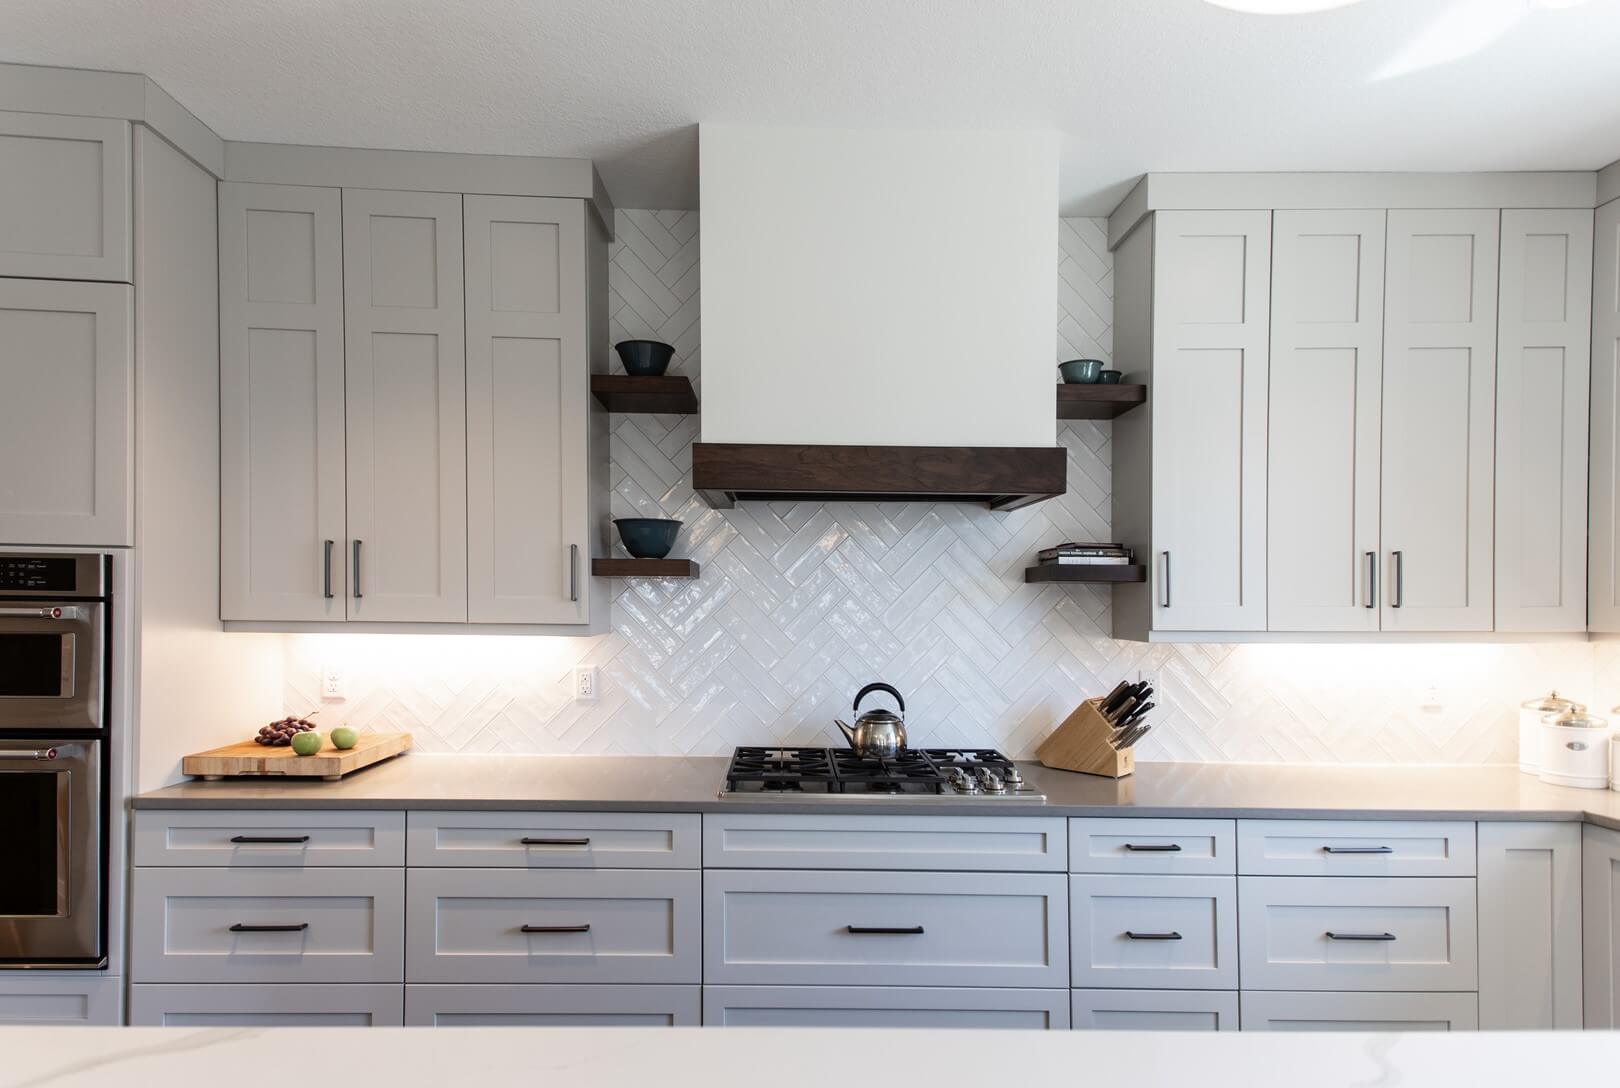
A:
1604,554
396,368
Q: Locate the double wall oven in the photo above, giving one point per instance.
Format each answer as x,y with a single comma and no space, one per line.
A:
54,657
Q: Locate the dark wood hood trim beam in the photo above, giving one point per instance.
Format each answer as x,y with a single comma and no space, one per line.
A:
1002,477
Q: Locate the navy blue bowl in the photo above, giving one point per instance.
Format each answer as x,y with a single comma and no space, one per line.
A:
648,538
645,358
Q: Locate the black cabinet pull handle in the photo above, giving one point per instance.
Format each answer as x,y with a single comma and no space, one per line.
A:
895,931
554,842
1171,936
1360,936
282,839
1358,849
356,574
326,568
294,927
586,928
1154,847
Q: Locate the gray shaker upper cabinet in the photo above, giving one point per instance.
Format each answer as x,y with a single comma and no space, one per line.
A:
1439,413
1604,555
283,553
67,368
1327,341
65,197
528,410
1543,374
405,404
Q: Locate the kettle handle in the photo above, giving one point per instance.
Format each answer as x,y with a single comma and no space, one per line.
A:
870,688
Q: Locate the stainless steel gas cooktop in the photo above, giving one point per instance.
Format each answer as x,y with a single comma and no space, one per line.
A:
838,774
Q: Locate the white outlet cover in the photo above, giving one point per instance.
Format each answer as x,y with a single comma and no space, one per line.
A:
586,683
334,686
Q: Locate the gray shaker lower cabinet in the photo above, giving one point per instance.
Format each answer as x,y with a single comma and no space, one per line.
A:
1285,1011
552,1006
883,1007
35,1000
1600,878
769,927
378,1006
1155,1010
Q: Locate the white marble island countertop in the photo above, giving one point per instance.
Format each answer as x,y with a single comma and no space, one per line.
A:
76,1057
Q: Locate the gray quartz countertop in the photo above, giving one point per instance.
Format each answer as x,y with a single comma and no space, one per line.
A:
672,784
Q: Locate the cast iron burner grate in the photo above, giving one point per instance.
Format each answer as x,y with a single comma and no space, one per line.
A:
839,770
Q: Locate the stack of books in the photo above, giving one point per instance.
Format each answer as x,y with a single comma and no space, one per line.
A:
1078,554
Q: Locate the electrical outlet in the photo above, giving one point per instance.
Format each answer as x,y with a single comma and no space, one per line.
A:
1152,678
334,686
1431,699
585,684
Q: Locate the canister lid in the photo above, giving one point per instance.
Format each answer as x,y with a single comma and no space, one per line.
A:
1550,703
1577,719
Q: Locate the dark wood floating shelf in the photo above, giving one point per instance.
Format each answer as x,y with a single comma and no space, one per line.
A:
1003,477
1098,401
644,568
1087,572
668,393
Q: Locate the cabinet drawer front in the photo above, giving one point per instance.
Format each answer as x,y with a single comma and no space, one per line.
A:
203,925
1355,848
883,1007
1155,1010
552,1006
927,929
266,1006
66,212
277,839
606,926
1193,847
884,842
1359,1012
1358,934
35,1001
1170,932
554,840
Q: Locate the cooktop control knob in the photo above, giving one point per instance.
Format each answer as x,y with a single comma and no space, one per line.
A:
1013,777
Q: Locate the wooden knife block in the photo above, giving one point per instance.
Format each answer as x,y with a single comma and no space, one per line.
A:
1080,743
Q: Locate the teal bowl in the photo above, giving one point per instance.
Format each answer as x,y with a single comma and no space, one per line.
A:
1109,377
1081,371
648,538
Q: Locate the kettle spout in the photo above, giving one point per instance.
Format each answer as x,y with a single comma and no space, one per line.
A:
849,734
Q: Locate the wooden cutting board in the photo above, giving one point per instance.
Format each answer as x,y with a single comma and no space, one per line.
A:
249,759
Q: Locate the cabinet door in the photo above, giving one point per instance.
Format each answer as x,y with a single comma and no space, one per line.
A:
1529,925
1604,554
884,1007
1283,1011
407,422
1543,372
528,384
67,370
1211,299
1327,350
279,1006
1600,922
64,197
1438,420
282,553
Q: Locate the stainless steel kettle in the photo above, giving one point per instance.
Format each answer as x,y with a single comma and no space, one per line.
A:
877,733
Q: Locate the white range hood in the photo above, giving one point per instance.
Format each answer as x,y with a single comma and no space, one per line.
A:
870,288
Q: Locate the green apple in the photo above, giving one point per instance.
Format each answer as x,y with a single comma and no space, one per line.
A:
344,737
306,744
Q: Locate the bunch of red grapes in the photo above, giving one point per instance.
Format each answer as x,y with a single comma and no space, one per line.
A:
280,734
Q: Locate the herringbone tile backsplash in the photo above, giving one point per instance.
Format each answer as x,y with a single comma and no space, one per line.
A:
802,603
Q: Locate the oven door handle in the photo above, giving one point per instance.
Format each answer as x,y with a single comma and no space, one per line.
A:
55,613
42,755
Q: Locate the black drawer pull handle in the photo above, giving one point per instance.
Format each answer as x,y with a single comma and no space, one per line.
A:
555,842
1358,849
1154,848
586,928
1360,936
894,931
280,839
1171,936
293,927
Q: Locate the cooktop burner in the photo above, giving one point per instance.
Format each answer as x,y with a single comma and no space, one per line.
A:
838,773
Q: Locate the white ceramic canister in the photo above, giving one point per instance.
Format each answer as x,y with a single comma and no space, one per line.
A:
1575,750
1530,714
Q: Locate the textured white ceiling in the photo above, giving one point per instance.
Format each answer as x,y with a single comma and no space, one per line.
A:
1134,85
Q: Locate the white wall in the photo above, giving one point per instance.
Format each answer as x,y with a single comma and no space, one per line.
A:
878,287
801,603
199,687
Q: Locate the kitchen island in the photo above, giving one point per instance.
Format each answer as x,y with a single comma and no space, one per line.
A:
608,1058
